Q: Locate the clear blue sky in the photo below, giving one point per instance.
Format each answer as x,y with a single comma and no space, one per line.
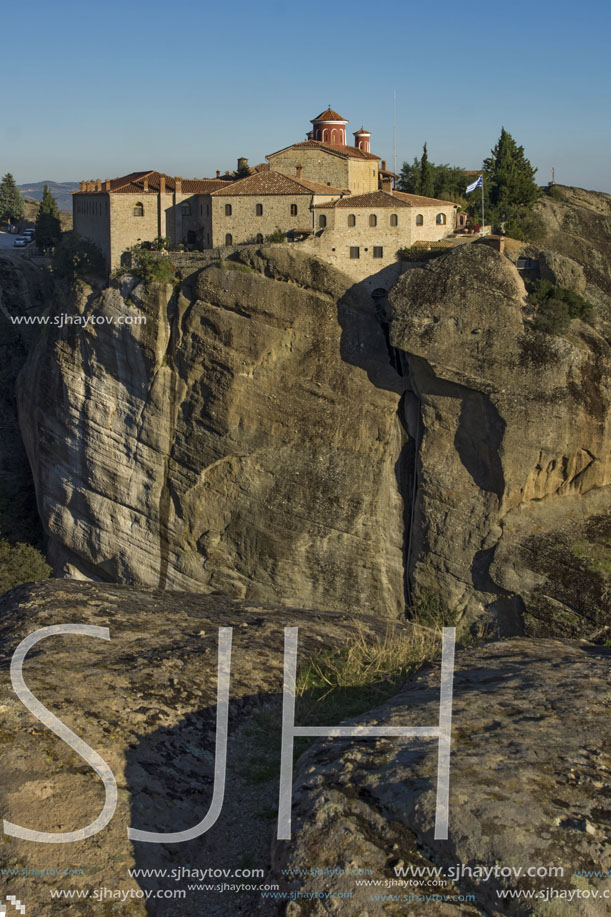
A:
95,90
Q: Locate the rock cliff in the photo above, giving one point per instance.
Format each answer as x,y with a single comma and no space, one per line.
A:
513,430
264,435
576,250
245,439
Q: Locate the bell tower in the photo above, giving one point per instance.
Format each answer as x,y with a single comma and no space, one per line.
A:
362,140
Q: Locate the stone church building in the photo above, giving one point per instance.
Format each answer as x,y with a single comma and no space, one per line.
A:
334,197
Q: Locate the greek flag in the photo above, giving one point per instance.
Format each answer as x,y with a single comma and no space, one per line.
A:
479,183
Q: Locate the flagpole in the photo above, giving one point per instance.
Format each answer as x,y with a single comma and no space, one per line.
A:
483,221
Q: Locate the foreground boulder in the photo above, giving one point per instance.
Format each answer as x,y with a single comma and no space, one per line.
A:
146,702
529,787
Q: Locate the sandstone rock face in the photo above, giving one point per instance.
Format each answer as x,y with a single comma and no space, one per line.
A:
577,246
509,423
529,787
146,702
245,439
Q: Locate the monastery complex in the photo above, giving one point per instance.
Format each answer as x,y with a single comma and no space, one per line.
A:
336,200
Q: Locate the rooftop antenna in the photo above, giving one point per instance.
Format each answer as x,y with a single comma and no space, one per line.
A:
394,132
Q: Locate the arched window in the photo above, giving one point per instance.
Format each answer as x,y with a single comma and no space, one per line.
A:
440,219
259,210
333,136
325,136
259,238
351,219
228,210
322,221
419,219
138,209
373,220
228,237
186,210
318,134
394,219
293,210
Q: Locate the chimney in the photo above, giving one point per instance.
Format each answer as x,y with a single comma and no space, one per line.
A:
107,185
162,184
387,185
383,165
299,171
178,183
83,186
98,184
218,173
145,184
242,163
90,186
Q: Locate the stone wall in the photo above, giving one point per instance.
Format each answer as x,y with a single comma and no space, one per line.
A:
244,224
91,220
318,165
363,175
109,220
334,243
359,175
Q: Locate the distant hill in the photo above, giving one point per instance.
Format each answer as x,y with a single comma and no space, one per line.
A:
61,191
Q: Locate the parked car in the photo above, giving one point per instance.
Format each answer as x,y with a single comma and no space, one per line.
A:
28,232
21,242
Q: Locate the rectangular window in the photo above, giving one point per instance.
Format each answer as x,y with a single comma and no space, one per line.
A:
378,251
354,251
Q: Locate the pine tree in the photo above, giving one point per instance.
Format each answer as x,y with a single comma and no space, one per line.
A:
427,181
48,226
509,178
11,202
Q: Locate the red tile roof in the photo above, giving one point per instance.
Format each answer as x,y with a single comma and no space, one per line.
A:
133,183
417,200
328,115
274,183
377,199
346,152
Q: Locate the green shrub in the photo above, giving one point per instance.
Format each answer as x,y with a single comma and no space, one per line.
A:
429,610
75,258
20,563
556,306
276,236
525,226
153,269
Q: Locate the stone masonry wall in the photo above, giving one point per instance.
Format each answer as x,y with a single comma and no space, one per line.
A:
333,244
317,166
244,224
90,214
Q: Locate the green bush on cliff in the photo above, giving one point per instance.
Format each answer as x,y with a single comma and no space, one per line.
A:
153,269
556,306
524,225
276,236
20,563
75,258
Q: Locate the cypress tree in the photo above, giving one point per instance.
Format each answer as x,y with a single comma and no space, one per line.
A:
427,181
11,202
48,226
